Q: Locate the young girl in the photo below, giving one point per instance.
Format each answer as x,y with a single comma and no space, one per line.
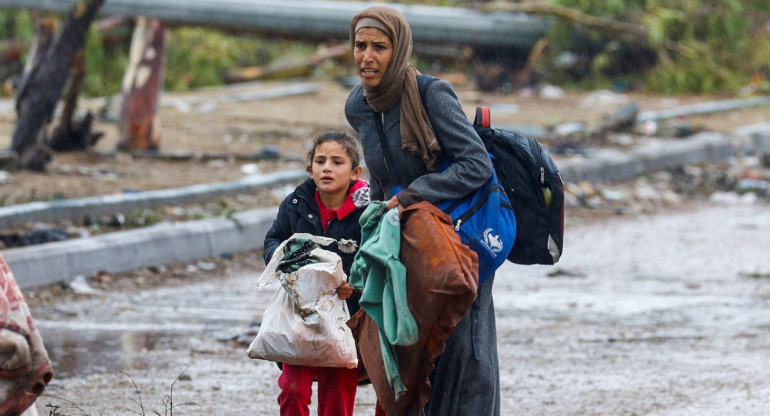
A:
328,204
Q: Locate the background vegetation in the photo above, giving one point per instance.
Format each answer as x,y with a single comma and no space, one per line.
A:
684,46
687,46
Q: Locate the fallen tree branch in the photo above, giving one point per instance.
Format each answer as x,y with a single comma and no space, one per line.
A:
569,14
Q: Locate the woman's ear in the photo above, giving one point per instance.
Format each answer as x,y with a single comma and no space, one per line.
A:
309,169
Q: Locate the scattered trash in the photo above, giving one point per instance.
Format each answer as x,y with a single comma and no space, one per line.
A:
268,152
250,169
39,236
5,177
569,129
206,265
103,277
551,92
621,120
648,127
604,98
80,285
560,272
759,187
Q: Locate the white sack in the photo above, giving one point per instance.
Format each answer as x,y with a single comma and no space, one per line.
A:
305,322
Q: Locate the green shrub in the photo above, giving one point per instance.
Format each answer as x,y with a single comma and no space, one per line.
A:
690,46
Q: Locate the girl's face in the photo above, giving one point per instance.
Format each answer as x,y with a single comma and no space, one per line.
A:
372,51
332,171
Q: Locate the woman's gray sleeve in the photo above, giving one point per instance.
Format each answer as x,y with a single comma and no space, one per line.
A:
470,164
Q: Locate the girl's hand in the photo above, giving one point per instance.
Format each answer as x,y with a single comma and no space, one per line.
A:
345,291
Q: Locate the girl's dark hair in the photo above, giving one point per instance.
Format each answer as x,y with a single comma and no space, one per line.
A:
347,141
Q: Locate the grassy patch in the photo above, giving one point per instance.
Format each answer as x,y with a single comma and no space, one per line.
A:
756,275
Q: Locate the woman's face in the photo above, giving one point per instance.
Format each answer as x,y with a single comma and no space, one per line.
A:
372,51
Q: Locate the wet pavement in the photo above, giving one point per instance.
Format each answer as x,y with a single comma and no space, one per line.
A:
114,331
656,315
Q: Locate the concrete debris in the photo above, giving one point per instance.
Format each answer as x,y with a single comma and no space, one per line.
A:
5,177
80,285
206,265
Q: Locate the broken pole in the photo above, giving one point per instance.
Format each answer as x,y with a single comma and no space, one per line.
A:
142,85
71,134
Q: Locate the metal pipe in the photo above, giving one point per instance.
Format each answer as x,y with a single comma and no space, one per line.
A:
322,19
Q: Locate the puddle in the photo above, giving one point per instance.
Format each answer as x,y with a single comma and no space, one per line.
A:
114,332
81,352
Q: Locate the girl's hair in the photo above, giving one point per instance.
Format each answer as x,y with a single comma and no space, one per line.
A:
347,142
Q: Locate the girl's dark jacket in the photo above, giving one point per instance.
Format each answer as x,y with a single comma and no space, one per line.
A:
299,213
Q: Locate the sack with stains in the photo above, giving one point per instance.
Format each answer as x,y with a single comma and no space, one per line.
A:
305,323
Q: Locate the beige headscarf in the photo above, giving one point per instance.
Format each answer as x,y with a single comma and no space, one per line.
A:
399,82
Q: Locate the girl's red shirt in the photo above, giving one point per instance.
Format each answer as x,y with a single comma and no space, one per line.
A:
327,214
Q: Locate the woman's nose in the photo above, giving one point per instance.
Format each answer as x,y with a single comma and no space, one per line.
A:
367,55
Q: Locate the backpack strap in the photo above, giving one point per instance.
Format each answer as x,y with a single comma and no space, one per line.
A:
482,117
423,83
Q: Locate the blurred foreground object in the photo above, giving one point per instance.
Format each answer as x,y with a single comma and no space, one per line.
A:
25,369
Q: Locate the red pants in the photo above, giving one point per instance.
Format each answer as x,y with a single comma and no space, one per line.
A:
336,390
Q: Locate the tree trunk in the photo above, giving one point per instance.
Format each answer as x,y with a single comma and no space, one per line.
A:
44,83
142,85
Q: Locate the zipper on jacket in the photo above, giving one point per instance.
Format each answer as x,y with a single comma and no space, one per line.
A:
384,159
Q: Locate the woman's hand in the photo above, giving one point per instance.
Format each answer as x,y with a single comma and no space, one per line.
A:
394,203
345,291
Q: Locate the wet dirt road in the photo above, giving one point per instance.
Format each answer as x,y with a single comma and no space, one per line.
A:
644,315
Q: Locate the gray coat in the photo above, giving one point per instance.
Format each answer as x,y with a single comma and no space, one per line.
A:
470,167
466,380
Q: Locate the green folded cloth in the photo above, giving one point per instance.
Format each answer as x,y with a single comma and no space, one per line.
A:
297,254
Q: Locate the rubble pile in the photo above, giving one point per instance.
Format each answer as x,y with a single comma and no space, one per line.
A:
743,180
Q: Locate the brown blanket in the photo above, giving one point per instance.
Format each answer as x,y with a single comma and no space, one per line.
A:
442,276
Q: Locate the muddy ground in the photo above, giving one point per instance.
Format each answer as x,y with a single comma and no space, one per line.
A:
662,314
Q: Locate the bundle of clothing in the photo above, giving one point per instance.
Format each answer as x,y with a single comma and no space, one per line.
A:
418,281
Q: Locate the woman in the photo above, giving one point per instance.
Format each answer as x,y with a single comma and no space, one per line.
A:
422,138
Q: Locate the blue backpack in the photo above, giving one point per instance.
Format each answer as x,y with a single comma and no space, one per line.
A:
486,223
